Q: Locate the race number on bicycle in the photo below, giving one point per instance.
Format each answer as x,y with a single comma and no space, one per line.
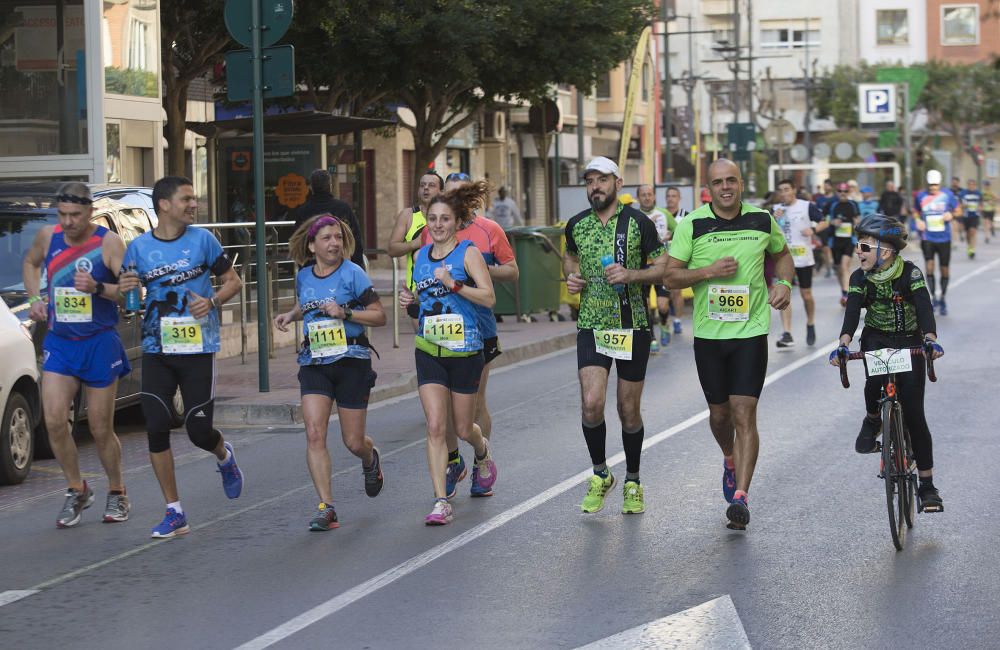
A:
887,360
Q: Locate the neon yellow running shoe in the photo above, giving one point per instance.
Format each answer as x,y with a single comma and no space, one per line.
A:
596,491
633,504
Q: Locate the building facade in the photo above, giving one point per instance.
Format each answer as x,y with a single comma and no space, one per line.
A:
81,90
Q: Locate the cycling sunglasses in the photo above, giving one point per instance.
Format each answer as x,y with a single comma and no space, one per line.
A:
867,248
457,176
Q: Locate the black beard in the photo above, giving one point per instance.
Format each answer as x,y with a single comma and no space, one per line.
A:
608,201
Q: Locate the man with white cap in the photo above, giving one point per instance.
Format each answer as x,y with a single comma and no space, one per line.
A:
613,253
934,217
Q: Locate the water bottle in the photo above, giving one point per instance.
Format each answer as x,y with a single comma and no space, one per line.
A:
132,302
607,261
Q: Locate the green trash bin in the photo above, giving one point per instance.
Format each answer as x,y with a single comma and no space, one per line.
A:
537,252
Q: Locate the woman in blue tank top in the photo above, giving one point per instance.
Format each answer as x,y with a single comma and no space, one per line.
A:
335,301
450,279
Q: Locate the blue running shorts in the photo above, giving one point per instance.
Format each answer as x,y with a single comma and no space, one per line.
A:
96,360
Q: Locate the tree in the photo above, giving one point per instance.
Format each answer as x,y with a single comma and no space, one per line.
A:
837,98
446,60
193,38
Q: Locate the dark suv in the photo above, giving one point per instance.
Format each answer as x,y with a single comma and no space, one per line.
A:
24,209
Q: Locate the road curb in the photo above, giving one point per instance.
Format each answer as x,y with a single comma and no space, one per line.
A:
242,410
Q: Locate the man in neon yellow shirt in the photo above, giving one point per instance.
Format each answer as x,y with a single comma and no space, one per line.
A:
719,251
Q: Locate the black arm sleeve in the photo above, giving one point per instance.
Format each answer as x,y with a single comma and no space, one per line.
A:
570,242
922,302
221,265
855,300
815,215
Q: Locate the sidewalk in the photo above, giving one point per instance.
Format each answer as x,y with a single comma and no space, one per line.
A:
238,400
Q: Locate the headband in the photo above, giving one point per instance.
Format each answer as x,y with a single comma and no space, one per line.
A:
72,198
321,223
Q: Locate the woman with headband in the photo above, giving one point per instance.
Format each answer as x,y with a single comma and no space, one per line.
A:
335,301
451,279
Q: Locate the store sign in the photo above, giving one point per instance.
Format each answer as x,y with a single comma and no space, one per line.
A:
35,46
292,190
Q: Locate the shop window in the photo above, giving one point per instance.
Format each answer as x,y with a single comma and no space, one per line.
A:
43,106
892,27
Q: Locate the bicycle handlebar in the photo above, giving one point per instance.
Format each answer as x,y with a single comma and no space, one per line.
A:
858,354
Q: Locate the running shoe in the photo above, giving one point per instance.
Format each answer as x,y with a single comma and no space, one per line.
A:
972,254
942,307
455,474
728,482
870,430
484,473
478,490
633,503
928,498
654,347
677,326
785,341
810,335
173,524
440,515
738,514
596,491
373,475
664,336
325,519
232,477
116,508
76,502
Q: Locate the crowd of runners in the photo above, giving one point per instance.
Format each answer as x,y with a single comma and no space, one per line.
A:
630,261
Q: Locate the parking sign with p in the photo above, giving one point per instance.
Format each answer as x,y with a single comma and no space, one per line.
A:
876,104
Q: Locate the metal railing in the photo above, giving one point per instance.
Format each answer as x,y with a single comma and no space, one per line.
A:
237,241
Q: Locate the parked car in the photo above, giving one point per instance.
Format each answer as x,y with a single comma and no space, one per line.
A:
27,207
20,398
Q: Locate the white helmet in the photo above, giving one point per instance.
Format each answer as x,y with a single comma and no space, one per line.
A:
933,177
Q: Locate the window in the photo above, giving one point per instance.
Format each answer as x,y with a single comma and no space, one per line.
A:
604,86
131,48
43,110
892,27
959,24
785,38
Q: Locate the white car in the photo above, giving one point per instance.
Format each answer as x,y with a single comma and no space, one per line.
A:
19,398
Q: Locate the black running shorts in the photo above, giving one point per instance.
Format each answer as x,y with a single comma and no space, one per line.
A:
731,367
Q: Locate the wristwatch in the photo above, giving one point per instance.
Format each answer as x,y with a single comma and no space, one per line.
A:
457,286
348,313
99,289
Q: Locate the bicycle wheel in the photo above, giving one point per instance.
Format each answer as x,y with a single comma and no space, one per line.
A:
910,481
890,473
901,472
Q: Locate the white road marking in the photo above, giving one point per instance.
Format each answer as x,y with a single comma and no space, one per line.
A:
7,597
714,624
417,562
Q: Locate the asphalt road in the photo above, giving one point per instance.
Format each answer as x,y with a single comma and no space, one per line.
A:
525,569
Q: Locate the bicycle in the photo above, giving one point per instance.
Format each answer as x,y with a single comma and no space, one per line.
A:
896,467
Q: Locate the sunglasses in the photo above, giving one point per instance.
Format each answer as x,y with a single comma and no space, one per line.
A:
867,248
457,176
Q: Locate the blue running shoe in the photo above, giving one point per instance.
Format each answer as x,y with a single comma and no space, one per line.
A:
456,474
232,477
173,524
664,336
677,326
728,482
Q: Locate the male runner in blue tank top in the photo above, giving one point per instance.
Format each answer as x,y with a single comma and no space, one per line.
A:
82,344
180,336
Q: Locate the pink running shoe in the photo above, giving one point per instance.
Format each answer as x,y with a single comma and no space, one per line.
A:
440,515
485,474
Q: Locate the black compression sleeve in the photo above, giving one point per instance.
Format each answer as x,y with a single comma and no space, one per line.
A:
855,298
925,312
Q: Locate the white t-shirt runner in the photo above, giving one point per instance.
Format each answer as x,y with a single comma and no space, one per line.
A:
793,219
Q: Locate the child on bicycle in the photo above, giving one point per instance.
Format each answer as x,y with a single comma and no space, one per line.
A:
898,314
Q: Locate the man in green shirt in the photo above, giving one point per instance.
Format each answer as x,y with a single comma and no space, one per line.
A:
719,251
613,253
